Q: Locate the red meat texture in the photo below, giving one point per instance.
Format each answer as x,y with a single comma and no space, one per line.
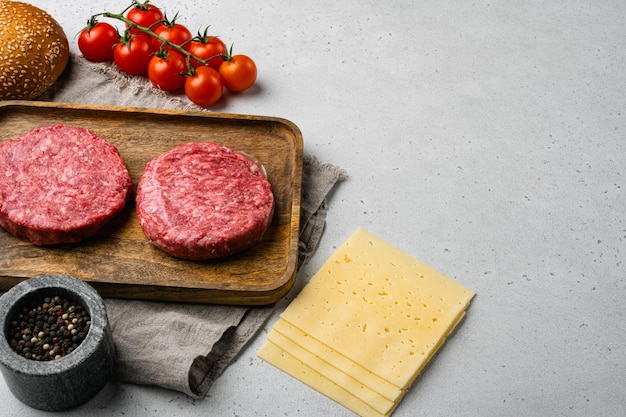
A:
203,200
60,184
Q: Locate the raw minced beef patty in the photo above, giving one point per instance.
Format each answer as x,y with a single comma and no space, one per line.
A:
203,200
60,184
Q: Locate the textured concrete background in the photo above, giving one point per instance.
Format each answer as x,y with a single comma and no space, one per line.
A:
485,138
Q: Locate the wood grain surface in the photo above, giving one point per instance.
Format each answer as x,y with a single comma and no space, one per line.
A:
119,262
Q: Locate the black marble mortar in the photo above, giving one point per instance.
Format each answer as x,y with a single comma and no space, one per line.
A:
75,378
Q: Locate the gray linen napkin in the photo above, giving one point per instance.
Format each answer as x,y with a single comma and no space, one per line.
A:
179,346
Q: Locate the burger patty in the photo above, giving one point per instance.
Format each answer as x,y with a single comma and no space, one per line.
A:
60,184
202,200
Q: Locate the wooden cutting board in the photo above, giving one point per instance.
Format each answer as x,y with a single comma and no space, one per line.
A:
119,262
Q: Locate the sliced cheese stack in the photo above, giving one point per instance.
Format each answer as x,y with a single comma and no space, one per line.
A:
366,324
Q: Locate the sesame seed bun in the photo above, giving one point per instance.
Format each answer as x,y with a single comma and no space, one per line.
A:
34,50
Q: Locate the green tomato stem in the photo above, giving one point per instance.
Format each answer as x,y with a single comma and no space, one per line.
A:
148,31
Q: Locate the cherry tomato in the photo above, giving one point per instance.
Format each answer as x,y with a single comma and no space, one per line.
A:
164,71
96,42
207,47
133,56
204,87
238,72
145,15
174,32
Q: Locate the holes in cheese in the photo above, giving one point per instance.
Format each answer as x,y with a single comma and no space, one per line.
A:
373,296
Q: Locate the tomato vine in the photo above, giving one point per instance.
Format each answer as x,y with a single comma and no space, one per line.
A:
148,31
146,23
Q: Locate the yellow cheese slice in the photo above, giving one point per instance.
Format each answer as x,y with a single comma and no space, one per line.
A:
273,354
312,370
380,307
346,365
341,362
349,384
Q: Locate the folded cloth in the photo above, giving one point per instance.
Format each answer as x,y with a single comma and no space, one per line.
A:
181,346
